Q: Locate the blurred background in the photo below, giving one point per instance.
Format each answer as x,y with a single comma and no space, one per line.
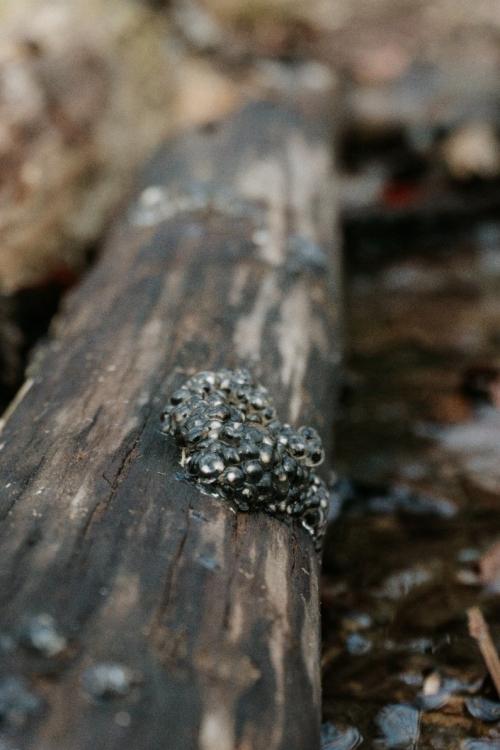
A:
88,89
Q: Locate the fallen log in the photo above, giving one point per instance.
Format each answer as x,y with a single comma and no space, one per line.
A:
134,610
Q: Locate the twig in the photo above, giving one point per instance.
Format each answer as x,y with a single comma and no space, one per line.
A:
479,630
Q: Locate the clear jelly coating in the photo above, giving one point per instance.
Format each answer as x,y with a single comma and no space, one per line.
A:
235,446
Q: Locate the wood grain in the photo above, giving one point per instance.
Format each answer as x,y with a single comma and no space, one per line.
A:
226,256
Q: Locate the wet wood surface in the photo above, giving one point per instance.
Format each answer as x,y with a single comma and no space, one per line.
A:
135,611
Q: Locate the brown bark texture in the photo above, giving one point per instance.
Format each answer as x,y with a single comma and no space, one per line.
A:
134,610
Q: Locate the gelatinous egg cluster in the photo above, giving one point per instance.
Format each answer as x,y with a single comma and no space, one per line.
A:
234,446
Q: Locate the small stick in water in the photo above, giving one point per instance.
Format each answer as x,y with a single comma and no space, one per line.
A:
479,630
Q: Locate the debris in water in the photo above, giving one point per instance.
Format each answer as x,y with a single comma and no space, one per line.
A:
17,701
355,621
357,644
414,645
413,679
432,684
484,709
482,384
432,702
489,568
41,635
467,577
468,555
479,630
399,725
339,739
108,680
393,499
401,583
434,694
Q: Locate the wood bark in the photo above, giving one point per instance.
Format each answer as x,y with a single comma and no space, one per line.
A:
227,257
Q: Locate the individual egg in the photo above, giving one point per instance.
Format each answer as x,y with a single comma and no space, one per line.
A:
233,476
195,434
265,454
248,449
210,465
253,471
229,454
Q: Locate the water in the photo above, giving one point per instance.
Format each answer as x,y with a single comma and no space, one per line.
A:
418,446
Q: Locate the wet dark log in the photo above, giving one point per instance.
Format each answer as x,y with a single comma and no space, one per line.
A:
135,611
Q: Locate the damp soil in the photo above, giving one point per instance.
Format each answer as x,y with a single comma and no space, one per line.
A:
414,540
